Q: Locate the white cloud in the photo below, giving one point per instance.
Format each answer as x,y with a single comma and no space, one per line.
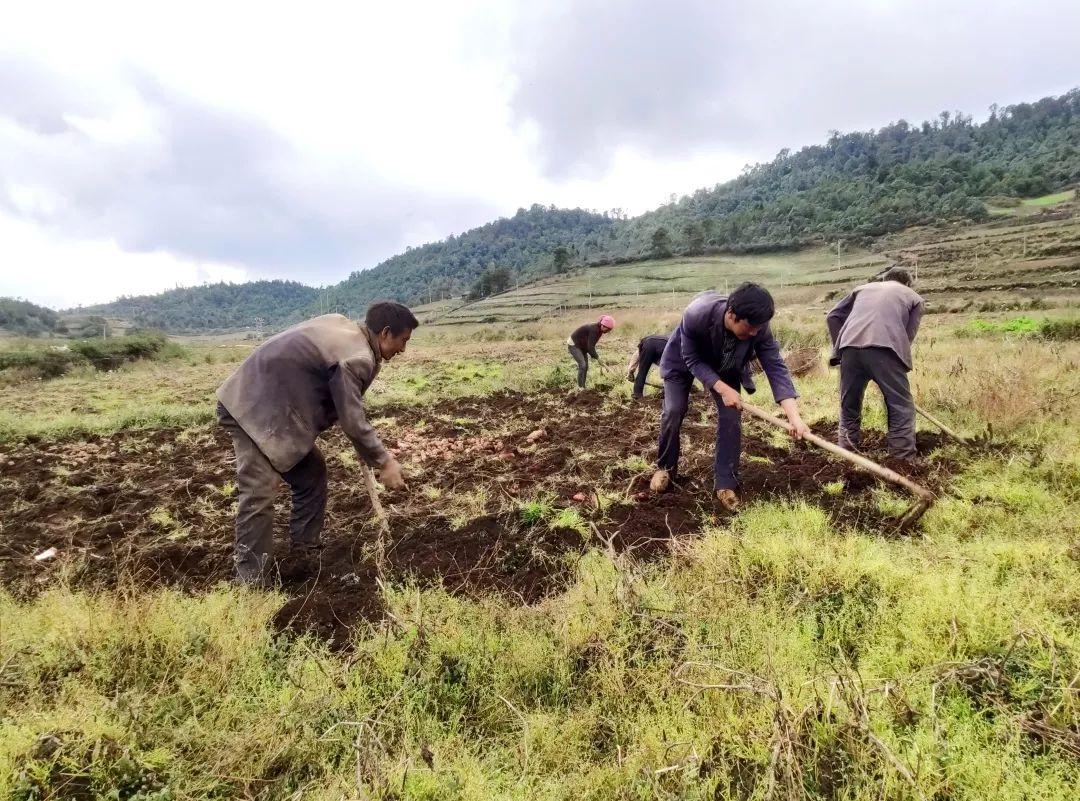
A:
62,274
165,144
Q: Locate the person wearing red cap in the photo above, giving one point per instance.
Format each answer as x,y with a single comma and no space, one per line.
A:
582,344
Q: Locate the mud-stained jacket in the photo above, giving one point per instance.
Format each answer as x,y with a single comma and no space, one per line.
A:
696,346
300,382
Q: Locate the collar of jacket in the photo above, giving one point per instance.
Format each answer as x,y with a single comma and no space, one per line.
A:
718,333
717,330
373,341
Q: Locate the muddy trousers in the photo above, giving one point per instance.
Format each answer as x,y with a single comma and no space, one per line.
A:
256,485
860,366
728,432
582,363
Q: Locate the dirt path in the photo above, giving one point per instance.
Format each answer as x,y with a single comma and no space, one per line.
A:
155,507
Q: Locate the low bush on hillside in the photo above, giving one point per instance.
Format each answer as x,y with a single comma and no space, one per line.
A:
1057,330
1060,330
40,363
794,335
101,354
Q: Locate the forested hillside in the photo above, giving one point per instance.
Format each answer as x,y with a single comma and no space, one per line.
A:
212,307
854,187
28,319
860,185
522,244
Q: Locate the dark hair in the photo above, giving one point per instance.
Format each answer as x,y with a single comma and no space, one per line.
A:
390,314
897,274
752,303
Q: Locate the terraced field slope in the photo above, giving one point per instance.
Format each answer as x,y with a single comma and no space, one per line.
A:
1018,260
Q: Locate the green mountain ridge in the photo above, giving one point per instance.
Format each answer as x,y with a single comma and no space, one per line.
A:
220,306
855,187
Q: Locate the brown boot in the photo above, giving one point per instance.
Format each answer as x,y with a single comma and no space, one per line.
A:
661,480
728,499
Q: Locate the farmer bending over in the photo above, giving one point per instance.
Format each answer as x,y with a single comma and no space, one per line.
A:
649,350
290,389
582,344
872,330
715,342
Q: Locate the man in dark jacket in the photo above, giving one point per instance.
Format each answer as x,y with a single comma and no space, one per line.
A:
715,342
582,344
290,389
649,351
872,330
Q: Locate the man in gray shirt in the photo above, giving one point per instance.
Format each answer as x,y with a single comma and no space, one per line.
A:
289,390
872,330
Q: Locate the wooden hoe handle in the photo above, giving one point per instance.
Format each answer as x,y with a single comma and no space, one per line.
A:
856,459
380,515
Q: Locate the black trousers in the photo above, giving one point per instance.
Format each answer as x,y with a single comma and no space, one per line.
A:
728,431
648,355
860,366
256,485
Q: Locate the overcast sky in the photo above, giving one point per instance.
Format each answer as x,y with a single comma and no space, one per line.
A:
148,145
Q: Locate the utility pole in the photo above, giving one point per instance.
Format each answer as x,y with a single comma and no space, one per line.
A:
837,252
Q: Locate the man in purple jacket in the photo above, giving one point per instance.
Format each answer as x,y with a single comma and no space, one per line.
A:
715,342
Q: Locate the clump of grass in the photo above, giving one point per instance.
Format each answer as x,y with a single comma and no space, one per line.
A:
794,334
536,510
1060,330
465,507
167,523
570,518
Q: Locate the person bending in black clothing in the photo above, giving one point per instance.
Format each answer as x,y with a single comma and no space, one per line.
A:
582,344
648,353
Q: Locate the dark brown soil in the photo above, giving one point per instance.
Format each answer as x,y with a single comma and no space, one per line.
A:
155,508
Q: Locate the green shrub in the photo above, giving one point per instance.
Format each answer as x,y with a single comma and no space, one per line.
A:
108,354
103,354
39,363
1060,330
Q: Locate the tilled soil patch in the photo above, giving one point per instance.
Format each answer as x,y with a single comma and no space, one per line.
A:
152,508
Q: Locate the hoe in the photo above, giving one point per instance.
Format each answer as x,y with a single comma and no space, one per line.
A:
923,496
982,439
384,524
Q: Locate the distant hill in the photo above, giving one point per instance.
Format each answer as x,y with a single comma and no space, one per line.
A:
855,187
212,306
523,244
858,186
25,318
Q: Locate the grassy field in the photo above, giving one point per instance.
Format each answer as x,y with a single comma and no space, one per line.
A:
649,285
1032,205
532,645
